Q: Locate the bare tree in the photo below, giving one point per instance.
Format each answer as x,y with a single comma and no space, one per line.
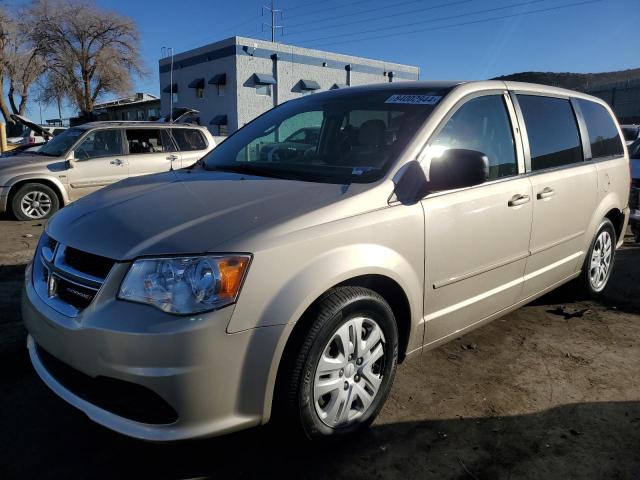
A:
5,23
89,51
20,62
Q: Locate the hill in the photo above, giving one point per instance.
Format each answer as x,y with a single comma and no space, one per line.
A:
574,81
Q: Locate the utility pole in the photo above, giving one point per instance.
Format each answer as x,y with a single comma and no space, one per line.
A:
165,52
273,26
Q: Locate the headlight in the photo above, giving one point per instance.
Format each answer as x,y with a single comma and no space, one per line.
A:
185,285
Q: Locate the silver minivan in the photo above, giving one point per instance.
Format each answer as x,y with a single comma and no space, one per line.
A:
85,158
248,287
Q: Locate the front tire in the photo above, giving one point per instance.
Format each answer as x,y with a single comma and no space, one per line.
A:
34,201
344,369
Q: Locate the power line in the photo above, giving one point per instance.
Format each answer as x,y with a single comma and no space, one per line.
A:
324,9
431,20
370,10
442,27
385,17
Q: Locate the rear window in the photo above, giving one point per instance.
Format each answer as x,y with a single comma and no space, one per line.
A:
147,140
189,139
552,130
603,133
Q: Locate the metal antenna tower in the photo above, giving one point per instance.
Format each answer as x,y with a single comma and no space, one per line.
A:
273,26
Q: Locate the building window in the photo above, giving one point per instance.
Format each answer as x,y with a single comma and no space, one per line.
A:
223,130
221,89
140,115
174,97
154,113
200,92
263,90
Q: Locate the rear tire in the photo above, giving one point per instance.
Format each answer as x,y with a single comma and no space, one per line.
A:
34,201
598,264
343,370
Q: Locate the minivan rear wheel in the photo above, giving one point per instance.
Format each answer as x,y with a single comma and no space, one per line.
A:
34,201
598,264
344,369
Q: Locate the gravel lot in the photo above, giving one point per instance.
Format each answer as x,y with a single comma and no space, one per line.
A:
549,391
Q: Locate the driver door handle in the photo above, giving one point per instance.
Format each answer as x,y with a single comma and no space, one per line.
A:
547,192
172,158
518,199
117,162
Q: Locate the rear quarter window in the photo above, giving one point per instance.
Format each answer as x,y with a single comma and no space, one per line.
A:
188,139
552,130
603,134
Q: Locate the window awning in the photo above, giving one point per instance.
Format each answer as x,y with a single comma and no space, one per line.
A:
197,83
338,85
173,88
218,120
219,79
263,79
309,85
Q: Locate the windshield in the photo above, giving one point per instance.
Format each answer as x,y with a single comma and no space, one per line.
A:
60,144
630,133
348,136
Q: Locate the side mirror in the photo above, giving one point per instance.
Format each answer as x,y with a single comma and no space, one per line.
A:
410,184
71,160
458,168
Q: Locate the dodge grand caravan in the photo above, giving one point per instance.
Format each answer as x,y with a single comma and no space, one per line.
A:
213,298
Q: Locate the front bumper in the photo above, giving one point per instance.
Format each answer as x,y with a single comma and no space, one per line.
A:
216,382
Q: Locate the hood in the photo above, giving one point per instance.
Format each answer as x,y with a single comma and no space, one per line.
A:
185,212
38,130
27,162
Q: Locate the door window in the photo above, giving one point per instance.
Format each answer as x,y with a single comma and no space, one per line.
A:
145,140
552,129
603,133
100,143
188,139
481,124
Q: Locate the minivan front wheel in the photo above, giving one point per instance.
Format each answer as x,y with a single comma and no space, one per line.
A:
345,367
34,201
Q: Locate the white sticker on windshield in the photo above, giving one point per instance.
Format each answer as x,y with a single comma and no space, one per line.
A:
414,99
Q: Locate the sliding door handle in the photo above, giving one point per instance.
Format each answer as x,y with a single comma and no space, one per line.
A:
518,199
548,192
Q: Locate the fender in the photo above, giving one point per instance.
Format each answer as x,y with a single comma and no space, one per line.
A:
326,271
58,184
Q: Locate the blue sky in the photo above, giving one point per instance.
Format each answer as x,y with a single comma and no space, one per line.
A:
447,39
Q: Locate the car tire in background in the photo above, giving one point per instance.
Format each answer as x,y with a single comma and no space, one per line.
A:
342,370
598,264
34,201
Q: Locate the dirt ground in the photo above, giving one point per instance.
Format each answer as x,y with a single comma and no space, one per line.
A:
549,391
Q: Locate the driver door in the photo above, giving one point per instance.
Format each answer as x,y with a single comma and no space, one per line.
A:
99,161
477,238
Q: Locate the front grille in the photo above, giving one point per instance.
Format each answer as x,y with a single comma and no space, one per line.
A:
94,265
126,399
66,278
74,294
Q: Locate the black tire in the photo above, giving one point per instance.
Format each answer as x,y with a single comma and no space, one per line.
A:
636,233
583,284
334,310
48,196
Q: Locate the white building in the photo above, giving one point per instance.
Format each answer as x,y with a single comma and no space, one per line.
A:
232,81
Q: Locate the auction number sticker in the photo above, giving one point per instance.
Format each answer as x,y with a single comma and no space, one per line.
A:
414,99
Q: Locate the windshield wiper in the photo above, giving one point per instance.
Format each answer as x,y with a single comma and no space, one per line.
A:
249,170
